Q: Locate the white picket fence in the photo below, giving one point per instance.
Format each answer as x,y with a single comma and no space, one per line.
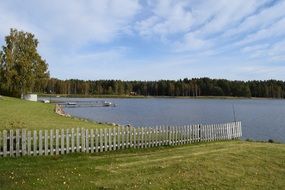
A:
21,142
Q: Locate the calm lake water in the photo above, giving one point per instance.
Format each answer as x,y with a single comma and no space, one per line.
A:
261,119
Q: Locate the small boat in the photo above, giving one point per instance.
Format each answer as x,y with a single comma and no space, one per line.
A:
71,103
106,104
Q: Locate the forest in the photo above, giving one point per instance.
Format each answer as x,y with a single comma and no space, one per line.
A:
184,87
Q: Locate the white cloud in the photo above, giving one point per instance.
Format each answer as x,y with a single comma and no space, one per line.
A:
168,17
258,21
72,21
191,43
276,30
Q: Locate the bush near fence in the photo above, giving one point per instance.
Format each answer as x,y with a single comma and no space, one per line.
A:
21,142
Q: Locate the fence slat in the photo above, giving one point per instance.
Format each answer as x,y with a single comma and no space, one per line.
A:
56,141
24,142
170,135
135,137
105,140
119,139
29,143
92,140
40,142
82,140
35,144
123,137
1,143
151,136
11,141
96,140
4,143
131,137
62,142
147,137
127,136
46,142
114,138
141,137
51,139
87,140
77,139
72,140
67,141
110,139
101,140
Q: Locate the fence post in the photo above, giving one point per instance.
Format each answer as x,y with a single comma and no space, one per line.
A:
240,131
96,140
82,140
51,142
118,133
11,143
176,135
4,143
180,132
199,133
148,137
29,143
1,144
24,142
127,137
135,137
187,134
123,136
101,140
162,135
72,140
62,141
92,140
105,140
67,141
46,142
87,140
56,142
114,138
184,134
110,139
40,142
35,143
169,135
77,140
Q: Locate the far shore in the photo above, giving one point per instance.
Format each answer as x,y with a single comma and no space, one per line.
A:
150,97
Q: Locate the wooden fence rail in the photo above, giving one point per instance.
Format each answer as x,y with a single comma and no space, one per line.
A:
21,142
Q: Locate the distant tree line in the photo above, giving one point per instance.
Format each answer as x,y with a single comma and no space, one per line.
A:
186,87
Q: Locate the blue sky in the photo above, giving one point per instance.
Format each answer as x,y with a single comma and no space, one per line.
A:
154,39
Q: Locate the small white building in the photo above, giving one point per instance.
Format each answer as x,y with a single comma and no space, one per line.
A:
31,97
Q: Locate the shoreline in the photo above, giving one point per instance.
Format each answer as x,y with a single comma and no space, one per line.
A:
154,97
60,111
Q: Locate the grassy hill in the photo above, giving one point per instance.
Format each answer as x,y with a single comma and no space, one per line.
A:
218,165
16,113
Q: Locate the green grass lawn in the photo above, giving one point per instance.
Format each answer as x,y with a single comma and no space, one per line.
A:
217,165
16,113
